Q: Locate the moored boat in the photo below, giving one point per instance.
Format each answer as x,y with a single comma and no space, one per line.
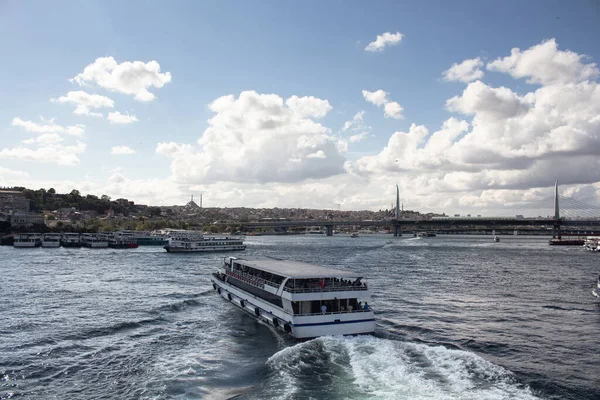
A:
122,240
195,242
70,240
303,300
51,240
27,240
94,240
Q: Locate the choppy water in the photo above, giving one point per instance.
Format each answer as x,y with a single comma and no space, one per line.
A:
458,318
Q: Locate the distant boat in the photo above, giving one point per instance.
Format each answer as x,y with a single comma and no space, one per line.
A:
354,235
496,239
427,234
596,292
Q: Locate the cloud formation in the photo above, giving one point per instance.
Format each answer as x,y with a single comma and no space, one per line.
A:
467,71
121,150
134,78
118,118
384,40
84,102
391,109
48,126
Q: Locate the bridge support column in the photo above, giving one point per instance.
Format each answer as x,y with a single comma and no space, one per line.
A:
397,230
556,231
329,230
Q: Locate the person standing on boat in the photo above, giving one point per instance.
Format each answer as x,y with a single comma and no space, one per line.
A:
366,306
323,308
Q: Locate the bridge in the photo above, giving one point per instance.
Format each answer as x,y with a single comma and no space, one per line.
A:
582,219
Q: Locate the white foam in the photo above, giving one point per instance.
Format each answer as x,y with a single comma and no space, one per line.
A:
387,369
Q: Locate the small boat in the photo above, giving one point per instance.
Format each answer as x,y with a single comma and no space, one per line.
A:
122,240
427,234
496,239
27,240
303,300
389,242
354,235
596,292
51,240
195,242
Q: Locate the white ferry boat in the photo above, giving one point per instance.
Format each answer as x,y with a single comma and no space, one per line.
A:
303,300
195,242
70,240
94,240
596,292
28,240
51,240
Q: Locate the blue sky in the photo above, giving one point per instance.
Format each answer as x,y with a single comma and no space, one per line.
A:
217,48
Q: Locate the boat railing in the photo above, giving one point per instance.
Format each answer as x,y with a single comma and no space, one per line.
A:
332,313
251,279
342,288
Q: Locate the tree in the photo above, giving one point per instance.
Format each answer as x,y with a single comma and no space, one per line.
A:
105,198
51,191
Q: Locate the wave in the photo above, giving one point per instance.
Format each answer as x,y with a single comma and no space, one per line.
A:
376,368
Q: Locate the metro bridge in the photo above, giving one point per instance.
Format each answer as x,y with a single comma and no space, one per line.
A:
581,219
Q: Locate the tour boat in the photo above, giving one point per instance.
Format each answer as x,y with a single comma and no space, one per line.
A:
51,240
94,240
596,292
354,235
70,240
195,242
303,300
27,240
122,240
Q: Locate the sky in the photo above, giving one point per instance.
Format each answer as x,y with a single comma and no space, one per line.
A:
467,106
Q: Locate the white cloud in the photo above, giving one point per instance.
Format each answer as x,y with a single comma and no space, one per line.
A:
172,148
467,71
85,101
357,122
54,154
48,126
393,110
358,137
121,150
383,40
5,173
133,78
45,138
378,97
118,118
546,65
486,101
309,106
258,138
317,154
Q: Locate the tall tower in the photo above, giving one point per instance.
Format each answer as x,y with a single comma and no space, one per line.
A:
200,200
397,203
556,209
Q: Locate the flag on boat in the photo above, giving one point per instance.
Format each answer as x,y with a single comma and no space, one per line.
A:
322,283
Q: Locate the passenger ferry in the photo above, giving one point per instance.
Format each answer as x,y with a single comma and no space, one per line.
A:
303,300
70,240
596,292
122,240
195,242
51,240
27,240
94,240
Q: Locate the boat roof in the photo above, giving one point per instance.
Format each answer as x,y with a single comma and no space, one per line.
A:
294,269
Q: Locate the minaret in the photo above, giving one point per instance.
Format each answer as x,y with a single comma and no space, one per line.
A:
397,203
200,200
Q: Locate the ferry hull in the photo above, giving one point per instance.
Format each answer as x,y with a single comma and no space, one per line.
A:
71,244
50,244
170,249
96,245
300,327
26,245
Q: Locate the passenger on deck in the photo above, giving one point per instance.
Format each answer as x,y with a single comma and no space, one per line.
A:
323,308
366,306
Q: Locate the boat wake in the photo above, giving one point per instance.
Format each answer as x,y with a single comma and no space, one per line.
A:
368,367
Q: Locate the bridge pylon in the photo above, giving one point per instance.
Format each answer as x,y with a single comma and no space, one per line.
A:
556,226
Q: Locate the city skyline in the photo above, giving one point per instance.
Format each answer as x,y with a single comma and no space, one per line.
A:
464,106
